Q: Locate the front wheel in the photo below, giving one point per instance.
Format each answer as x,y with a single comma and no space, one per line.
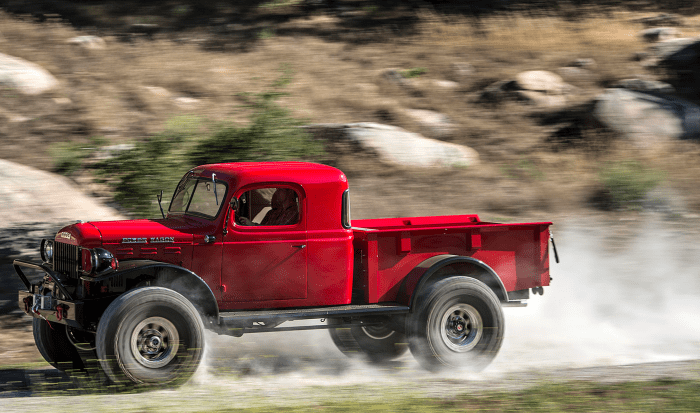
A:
55,346
150,336
458,323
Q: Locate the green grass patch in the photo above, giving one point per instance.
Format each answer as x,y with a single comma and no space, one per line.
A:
414,72
627,182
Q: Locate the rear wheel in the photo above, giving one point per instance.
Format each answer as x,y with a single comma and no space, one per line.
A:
379,342
55,346
150,335
457,323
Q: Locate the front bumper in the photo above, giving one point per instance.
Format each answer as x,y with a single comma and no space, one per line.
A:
46,306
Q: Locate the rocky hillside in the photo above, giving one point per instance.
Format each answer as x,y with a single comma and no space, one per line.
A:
506,113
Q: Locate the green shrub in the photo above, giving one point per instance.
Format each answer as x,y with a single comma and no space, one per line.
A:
414,72
68,157
159,162
626,183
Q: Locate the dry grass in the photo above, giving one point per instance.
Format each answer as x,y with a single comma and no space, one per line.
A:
130,89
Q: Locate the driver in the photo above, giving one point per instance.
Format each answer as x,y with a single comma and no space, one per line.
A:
284,209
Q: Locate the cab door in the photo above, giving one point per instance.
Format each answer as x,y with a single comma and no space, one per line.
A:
264,263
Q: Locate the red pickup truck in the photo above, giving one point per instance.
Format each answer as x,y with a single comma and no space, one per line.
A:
246,247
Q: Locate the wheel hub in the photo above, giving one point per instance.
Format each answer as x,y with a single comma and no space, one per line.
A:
461,327
154,342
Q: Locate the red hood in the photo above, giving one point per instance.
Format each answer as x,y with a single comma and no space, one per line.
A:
92,234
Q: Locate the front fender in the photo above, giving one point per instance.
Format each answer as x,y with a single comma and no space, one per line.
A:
132,274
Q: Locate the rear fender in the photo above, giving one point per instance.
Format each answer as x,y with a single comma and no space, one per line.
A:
442,266
176,278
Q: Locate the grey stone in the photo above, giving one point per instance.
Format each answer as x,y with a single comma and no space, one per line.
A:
541,81
88,42
583,63
536,87
436,123
28,78
645,85
574,73
682,50
657,34
400,147
648,120
463,70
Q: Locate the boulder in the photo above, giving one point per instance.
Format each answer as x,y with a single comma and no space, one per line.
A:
657,34
400,147
573,73
680,59
583,63
88,42
541,81
535,87
435,123
647,119
463,70
28,78
645,85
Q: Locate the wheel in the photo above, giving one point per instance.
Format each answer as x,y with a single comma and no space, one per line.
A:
457,323
55,346
378,342
151,336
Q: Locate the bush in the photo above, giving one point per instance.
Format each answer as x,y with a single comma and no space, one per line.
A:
159,162
627,183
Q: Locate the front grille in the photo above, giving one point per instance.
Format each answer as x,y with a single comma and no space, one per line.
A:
66,259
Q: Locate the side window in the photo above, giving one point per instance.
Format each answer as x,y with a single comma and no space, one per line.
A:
269,206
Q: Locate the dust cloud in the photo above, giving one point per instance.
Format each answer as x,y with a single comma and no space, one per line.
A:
623,294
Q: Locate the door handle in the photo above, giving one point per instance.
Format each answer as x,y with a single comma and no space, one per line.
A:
301,247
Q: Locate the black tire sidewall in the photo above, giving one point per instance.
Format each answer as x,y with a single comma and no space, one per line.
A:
119,322
54,345
425,325
354,341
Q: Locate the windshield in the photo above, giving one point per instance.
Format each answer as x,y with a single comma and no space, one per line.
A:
196,196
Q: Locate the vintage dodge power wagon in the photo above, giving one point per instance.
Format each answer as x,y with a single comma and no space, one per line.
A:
246,247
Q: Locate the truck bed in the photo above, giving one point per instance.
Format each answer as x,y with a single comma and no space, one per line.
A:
387,250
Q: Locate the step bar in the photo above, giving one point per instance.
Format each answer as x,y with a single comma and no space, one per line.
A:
291,314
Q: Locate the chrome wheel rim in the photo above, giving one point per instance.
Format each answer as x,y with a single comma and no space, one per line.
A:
154,342
461,328
378,332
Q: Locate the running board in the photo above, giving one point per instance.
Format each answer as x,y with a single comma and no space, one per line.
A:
290,314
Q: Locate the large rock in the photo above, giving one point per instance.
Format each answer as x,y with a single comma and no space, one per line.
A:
28,78
398,146
645,85
657,34
647,119
535,87
434,123
680,58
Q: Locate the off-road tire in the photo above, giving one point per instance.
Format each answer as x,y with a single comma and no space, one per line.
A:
55,347
457,323
378,343
150,336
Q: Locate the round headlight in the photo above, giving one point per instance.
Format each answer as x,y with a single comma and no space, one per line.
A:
47,251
